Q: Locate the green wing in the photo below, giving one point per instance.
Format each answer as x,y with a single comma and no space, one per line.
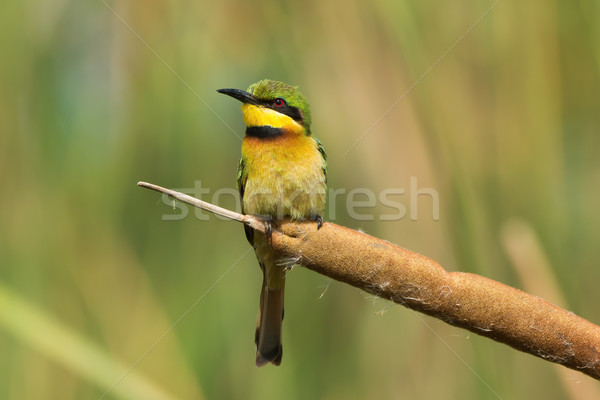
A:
241,184
324,155
241,181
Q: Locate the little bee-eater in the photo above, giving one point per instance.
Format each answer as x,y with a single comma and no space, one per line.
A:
281,174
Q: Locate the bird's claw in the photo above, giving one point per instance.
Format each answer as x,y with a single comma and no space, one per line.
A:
268,229
319,222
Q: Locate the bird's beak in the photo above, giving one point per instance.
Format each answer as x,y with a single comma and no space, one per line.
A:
240,95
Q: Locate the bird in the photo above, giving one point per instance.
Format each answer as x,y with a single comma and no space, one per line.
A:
281,174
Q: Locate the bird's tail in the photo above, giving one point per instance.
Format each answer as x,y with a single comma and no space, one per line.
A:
268,330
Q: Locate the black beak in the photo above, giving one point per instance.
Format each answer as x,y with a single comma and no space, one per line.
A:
240,95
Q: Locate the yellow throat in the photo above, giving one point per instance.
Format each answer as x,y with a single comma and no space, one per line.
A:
262,116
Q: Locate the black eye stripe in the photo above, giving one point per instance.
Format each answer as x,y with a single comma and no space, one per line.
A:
286,109
292,112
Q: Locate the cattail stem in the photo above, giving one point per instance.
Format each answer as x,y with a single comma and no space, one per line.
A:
478,304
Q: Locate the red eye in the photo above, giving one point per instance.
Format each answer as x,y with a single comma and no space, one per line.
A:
279,102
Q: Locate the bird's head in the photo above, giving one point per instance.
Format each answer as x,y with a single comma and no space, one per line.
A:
271,108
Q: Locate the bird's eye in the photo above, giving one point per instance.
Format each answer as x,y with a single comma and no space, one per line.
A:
279,102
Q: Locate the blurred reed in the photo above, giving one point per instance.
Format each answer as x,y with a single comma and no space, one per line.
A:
504,126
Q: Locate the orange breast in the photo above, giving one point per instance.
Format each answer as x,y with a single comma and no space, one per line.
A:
283,176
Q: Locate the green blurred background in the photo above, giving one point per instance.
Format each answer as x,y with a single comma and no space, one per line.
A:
496,106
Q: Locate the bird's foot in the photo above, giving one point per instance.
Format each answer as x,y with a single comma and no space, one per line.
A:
268,229
319,220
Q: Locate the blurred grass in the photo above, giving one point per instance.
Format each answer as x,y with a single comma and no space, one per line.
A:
49,337
505,126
